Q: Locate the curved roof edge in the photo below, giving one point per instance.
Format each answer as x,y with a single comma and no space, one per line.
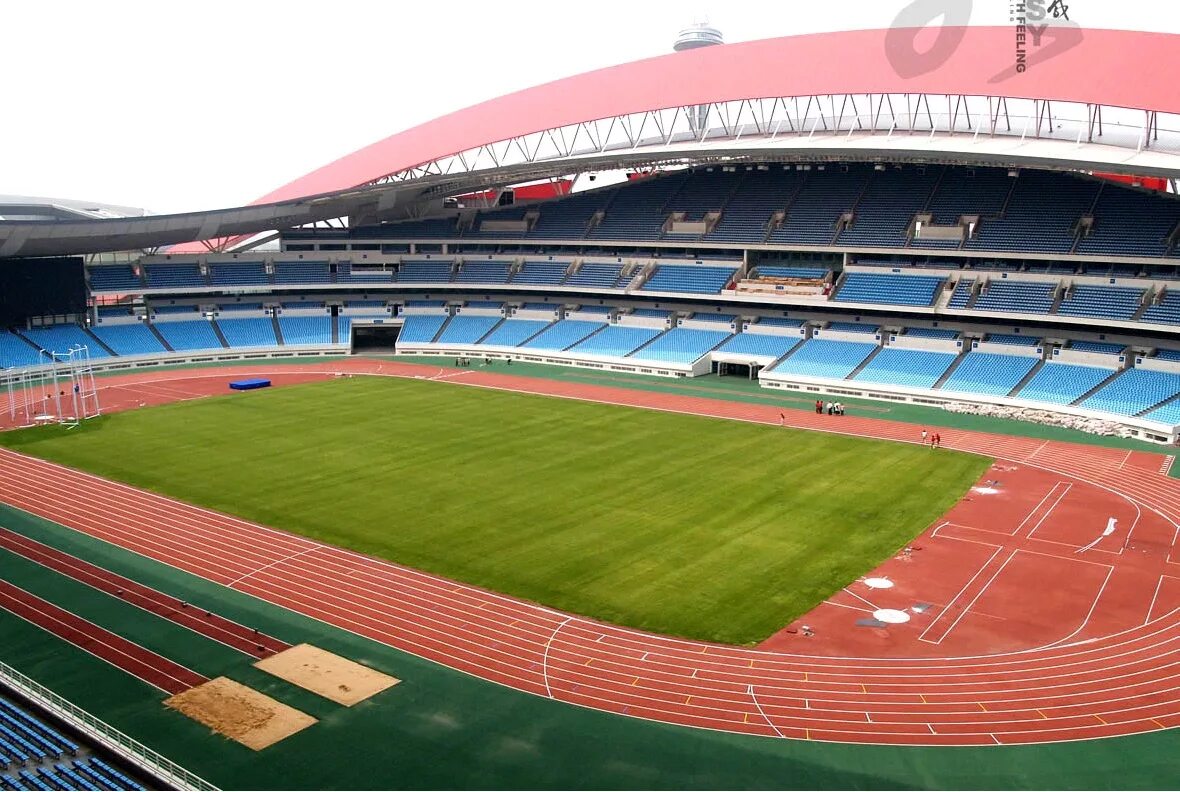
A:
1105,67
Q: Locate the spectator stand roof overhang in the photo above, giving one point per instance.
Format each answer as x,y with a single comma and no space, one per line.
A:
1086,99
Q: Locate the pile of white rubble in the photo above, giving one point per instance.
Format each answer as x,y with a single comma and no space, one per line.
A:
1092,425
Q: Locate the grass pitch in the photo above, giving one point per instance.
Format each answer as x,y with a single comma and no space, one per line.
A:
683,525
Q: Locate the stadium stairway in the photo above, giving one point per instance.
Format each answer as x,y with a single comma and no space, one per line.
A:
160,337
642,346
1032,372
1099,387
218,333
335,329
852,374
950,370
593,333
99,342
783,357
491,330
274,323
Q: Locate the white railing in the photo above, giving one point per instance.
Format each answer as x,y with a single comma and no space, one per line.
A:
102,733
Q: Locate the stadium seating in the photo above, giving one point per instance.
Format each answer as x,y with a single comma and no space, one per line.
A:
513,332
248,332
1166,310
746,216
248,274
16,353
62,338
912,368
779,321
483,272
563,334
760,344
1012,340
853,327
826,359
1016,296
116,278
1102,302
931,332
1099,347
1062,383
129,339
1130,223
301,272
465,329
1034,222
615,341
698,280
634,211
189,336
799,273
811,217
681,345
540,272
989,374
424,272
887,206
962,293
421,329
1167,414
169,276
869,287
1134,391
306,330
601,276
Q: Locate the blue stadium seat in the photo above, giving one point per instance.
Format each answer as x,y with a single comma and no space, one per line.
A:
114,278
421,329
601,276
17,353
540,272
870,287
913,368
298,272
169,276
62,338
1103,302
248,332
244,274
1134,391
1016,296
826,359
760,344
563,334
616,341
464,329
129,339
188,336
988,373
697,280
1062,383
306,330
513,332
681,345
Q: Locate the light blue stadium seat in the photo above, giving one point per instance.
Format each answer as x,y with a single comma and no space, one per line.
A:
989,373
421,328
563,334
248,331
1015,296
1062,383
129,339
616,341
681,345
870,287
825,359
464,329
513,332
697,280
62,338
189,336
760,344
1134,391
17,353
306,330
913,368
1102,302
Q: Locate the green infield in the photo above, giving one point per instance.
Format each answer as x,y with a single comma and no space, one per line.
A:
684,525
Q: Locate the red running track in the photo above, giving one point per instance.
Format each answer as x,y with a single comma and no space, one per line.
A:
186,614
1123,682
159,671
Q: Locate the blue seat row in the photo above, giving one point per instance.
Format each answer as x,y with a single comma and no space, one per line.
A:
826,359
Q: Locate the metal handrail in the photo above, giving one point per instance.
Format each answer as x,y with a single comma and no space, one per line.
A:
101,732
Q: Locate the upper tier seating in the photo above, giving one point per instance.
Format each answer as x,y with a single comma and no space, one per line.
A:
760,344
698,280
1062,383
16,353
421,328
826,359
540,272
1104,302
989,374
931,332
1166,311
247,274
189,336
513,332
302,272
563,334
962,293
912,368
779,321
603,276
1041,214
965,191
424,272
869,287
1134,391
465,329
782,271
118,278
615,341
1168,354
567,218
345,273
1015,296
62,338
306,330
248,332
1101,347
1011,339
1129,222
483,272
853,327
129,339
747,214
635,211
178,276
682,345
817,206
886,208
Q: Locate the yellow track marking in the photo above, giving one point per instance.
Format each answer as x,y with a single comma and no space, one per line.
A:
981,706
922,697
688,699
1099,717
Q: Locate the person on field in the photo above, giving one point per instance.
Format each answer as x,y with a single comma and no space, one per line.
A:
937,441
829,408
924,435
782,419
819,407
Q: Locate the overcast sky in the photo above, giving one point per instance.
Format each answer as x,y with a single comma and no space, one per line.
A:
179,106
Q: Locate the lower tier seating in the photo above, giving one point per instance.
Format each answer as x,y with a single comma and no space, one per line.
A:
563,334
682,345
130,339
62,338
421,328
513,332
616,341
248,332
467,329
189,336
1062,383
1134,391
989,373
826,359
912,368
306,330
760,344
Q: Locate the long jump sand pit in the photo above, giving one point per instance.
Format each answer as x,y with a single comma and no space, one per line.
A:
240,713
331,676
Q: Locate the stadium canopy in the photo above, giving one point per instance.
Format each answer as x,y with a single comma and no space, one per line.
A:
1068,98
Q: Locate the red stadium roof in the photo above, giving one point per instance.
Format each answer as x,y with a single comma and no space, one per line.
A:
1107,67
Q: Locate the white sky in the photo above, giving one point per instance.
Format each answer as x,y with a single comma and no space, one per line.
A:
180,106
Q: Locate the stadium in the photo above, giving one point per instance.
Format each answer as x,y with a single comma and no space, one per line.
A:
743,417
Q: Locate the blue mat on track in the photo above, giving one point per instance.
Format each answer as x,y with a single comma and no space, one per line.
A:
249,384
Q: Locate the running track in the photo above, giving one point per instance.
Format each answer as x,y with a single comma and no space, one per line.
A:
1123,683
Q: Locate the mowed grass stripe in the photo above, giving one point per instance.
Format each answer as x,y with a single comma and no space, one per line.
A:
683,525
